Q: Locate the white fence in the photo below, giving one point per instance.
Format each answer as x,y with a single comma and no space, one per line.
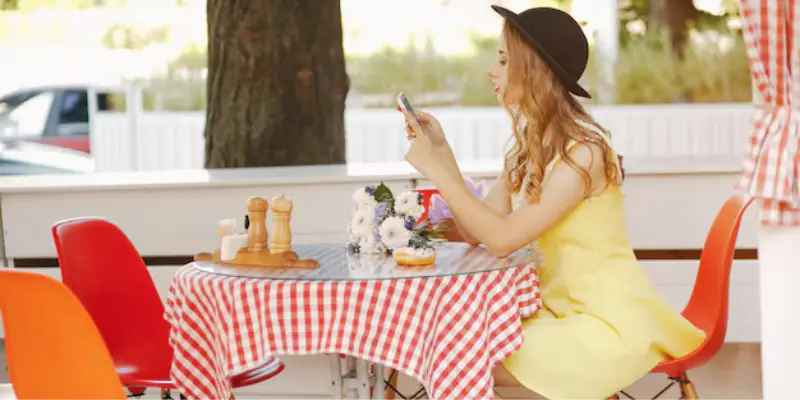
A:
147,141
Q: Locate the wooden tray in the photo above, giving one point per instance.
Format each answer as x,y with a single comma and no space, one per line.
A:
261,258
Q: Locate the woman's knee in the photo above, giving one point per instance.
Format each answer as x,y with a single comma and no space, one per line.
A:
503,378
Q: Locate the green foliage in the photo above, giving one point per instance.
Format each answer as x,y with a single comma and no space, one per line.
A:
639,11
475,86
417,71
409,70
182,87
384,194
119,36
425,233
714,70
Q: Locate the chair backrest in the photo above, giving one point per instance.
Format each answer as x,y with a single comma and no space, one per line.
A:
708,305
53,348
107,274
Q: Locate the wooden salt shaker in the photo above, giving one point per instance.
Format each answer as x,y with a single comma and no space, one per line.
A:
281,224
257,232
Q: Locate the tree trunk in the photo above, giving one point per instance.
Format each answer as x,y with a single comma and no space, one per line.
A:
673,15
276,83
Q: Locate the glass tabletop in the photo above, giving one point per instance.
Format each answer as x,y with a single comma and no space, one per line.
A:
337,265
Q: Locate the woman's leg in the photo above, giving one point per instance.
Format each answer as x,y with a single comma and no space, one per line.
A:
504,379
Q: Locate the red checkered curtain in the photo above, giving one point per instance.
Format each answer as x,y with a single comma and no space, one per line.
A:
772,33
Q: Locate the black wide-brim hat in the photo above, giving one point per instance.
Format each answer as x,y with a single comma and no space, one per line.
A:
558,39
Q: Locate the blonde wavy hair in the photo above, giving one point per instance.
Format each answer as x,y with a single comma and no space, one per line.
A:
545,119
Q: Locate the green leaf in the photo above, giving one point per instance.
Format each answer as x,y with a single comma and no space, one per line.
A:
418,241
384,195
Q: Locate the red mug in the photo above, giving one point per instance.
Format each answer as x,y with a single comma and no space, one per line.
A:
426,201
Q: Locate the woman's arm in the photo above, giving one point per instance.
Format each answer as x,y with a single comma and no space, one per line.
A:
498,198
502,233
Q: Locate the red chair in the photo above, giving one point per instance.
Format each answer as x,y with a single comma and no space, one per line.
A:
108,275
707,308
53,348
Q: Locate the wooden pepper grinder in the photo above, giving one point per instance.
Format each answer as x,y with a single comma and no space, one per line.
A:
257,232
281,224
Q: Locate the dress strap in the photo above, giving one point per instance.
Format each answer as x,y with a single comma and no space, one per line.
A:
557,158
607,139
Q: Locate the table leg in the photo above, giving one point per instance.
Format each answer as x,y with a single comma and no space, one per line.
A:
350,381
380,377
336,376
362,379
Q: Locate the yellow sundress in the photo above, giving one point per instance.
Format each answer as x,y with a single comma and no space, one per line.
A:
603,325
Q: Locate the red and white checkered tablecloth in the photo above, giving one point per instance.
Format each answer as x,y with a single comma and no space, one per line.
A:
447,331
771,30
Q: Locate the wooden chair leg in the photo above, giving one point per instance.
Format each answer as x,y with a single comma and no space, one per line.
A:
389,393
614,396
688,391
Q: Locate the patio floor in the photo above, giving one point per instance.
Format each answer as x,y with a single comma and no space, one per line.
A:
734,374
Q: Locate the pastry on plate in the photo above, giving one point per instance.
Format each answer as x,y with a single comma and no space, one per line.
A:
415,256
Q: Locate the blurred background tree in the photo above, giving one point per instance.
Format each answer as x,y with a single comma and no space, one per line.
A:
670,51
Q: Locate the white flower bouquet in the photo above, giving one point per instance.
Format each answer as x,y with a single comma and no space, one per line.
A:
382,223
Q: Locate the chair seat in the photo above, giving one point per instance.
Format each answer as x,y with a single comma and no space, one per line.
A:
676,366
252,376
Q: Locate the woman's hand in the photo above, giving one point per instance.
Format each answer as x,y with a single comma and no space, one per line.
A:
429,153
422,154
427,123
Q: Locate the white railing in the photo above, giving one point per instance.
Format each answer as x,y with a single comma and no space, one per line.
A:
147,141
175,212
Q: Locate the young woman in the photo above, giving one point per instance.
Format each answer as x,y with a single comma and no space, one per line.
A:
603,325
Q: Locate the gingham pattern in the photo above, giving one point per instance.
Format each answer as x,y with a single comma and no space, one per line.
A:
448,331
772,34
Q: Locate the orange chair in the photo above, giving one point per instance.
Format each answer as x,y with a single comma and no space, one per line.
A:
707,308
53,348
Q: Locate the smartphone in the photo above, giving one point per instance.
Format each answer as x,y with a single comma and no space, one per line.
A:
402,101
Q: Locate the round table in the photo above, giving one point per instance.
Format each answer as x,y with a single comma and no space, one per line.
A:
446,325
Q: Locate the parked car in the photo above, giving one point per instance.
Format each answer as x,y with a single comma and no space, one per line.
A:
41,124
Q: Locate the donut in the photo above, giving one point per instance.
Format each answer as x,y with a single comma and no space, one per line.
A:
415,257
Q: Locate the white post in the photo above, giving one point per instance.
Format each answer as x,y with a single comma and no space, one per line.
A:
779,272
602,17
607,47
94,141
134,110
779,266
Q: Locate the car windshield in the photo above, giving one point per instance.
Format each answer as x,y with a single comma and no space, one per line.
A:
11,101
